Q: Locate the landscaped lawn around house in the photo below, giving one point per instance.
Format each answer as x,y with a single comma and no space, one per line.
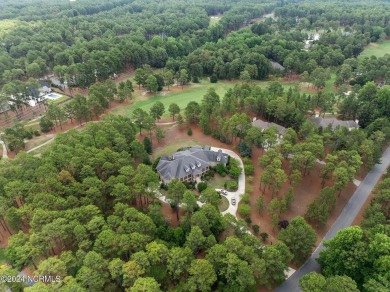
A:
172,147
376,49
217,182
60,99
224,204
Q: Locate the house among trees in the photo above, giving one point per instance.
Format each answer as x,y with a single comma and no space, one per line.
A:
277,66
334,123
4,106
265,125
45,88
188,164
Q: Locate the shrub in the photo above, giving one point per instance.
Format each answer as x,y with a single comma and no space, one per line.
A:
148,145
283,224
248,166
202,186
37,133
245,150
213,78
216,134
232,185
249,179
264,236
256,229
46,124
245,198
189,132
164,186
244,210
28,134
234,168
146,160
211,172
259,205
220,168
155,162
190,185
248,221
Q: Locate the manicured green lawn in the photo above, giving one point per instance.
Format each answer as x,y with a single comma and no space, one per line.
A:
330,83
375,49
217,182
172,147
60,99
215,19
224,204
193,92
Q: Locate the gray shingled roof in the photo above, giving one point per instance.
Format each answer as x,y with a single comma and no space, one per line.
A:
277,65
324,122
265,125
190,161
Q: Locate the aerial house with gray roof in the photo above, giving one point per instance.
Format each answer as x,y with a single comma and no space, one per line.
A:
189,164
334,123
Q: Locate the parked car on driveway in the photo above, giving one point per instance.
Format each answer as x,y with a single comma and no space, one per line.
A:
233,201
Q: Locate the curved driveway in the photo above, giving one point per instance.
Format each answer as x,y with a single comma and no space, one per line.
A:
241,183
345,219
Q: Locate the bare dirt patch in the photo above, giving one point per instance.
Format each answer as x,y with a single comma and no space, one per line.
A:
170,214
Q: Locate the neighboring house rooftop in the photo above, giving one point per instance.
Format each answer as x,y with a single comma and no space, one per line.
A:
324,122
265,125
190,161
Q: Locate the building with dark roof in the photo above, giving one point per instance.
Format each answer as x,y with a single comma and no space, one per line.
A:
334,123
277,66
265,125
189,164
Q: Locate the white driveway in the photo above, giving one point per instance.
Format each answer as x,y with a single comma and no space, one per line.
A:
241,183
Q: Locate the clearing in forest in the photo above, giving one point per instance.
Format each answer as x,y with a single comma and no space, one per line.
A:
194,92
376,49
215,19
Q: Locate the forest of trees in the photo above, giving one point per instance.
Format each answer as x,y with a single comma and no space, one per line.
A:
77,201
357,259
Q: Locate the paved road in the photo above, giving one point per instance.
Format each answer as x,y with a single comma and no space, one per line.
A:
345,219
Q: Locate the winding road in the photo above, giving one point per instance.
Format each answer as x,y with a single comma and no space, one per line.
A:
345,219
